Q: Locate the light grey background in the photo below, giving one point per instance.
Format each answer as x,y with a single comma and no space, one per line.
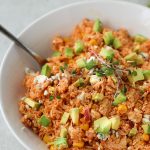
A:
16,15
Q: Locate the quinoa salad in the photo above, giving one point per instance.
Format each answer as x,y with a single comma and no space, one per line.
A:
93,93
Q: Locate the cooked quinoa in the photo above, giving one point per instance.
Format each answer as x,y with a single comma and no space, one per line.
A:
93,93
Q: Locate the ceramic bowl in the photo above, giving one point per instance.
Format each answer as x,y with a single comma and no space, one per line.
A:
38,36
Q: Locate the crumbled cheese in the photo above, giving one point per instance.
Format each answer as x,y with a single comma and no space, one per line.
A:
94,79
45,92
117,134
91,58
63,75
108,48
40,102
91,71
145,120
56,77
102,136
40,79
147,116
27,106
81,96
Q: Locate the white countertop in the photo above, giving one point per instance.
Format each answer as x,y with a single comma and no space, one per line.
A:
16,15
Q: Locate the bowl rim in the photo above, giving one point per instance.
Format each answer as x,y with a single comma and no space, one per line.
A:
127,3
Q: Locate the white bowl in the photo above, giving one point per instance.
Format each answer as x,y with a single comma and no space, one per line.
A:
133,17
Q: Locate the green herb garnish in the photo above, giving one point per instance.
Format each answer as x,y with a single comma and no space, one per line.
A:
51,98
58,97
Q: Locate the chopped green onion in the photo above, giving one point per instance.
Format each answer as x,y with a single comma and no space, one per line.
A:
91,64
79,46
140,38
73,72
69,52
81,62
56,54
100,73
65,65
58,97
44,121
51,98
46,70
116,43
108,38
61,69
97,27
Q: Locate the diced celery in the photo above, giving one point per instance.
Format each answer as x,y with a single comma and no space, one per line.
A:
44,121
79,46
46,70
97,27
81,62
115,122
117,43
120,98
107,53
60,143
108,38
97,97
69,52
146,128
102,125
146,74
132,132
131,57
74,113
31,103
63,132
64,118
138,77
140,38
